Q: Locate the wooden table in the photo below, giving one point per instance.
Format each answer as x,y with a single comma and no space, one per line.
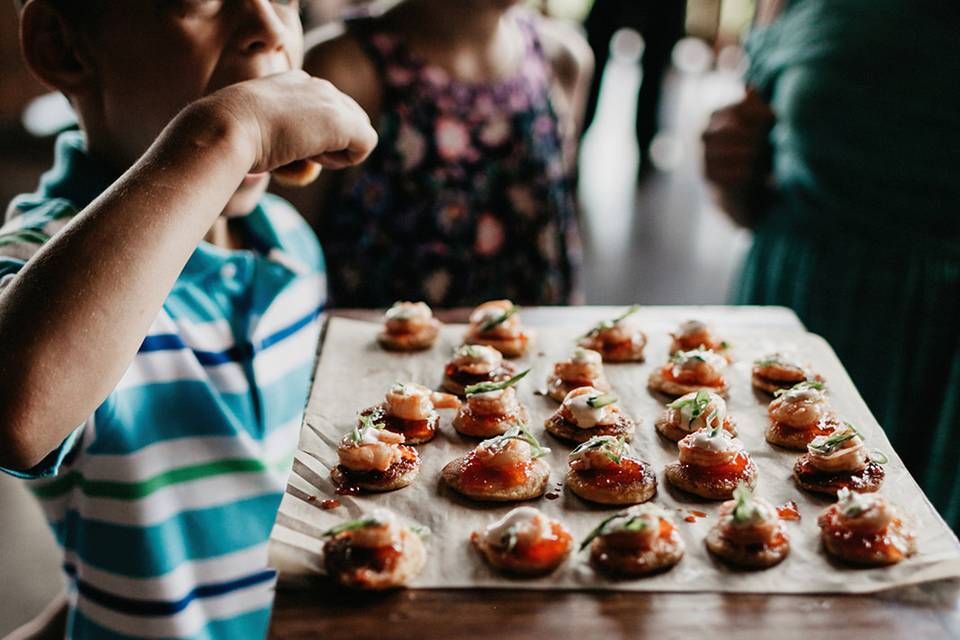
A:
323,611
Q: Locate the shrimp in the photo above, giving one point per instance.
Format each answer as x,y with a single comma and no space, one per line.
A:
864,513
494,403
493,311
705,367
584,364
576,409
386,534
693,334
700,449
802,408
849,456
774,367
410,401
597,458
477,359
504,453
761,529
377,451
409,317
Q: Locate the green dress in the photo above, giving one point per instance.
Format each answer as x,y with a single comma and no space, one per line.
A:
863,237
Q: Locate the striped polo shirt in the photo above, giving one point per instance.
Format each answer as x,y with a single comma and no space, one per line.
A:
164,498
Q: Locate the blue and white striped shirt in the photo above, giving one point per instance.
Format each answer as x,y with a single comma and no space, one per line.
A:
164,498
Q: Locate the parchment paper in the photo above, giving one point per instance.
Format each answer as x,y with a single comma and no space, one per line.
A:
353,373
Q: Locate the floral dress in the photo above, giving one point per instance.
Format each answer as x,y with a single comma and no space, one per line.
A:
467,196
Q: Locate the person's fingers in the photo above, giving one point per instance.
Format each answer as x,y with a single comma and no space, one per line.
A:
753,109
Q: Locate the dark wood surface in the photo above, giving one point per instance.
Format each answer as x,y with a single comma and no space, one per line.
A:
324,611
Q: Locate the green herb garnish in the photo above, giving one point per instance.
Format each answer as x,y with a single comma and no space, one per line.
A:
680,357
633,524
697,403
603,325
351,525
612,447
366,422
745,509
879,457
503,317
597,402
833,442
801,386
519,433
724,344
484,387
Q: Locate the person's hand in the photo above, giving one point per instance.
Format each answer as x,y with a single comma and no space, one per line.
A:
293,116
736,148
736,151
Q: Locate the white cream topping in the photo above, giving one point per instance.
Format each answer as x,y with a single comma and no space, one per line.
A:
690,359
585,356
852,504
528,523
688,422
720,442
585,416
477,353
409,311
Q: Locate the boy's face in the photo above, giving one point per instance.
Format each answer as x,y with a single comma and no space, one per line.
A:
153,57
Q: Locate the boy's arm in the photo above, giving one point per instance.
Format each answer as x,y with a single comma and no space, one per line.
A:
73,318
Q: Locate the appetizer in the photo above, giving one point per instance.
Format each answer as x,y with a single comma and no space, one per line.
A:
473,364
798,415
636,542
506,468
863,529
692,412
411,409
712,463
491,409
298,173
373,552
617,340
693,335
749,533
689,371
523,542
408,326
604,470
774,372
496,324
588,412
583,369
839,461
375,459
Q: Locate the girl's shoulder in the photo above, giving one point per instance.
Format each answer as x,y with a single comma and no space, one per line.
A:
566,49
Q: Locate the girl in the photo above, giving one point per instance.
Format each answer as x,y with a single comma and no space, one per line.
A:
468,196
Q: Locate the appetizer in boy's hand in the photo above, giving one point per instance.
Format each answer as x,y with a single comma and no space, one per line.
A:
375,459
639,541
583,369
693,335
692,412
491,409
774,372
588,412
409,326
864,529
523,542
496,324
373,552
839,460
689,371
712,463
473,364
617,340
411,409
798,415
506,468
749,533
298,173
604,470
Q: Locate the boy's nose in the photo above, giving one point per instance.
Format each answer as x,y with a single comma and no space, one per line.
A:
262,29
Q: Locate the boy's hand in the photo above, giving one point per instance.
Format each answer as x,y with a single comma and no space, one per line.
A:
293,116
735,143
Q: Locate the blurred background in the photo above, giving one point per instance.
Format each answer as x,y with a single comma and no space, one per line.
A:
650,233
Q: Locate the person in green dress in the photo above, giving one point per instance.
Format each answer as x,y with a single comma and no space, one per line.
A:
844,158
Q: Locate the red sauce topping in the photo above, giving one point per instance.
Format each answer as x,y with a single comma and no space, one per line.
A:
699,514
552,495
856,543
488,423
348,490
477,476
627,472
734,468
689,519
411,429
546,551
376,558
788,510
330,504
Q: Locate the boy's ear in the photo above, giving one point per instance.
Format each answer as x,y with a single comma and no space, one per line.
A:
54,49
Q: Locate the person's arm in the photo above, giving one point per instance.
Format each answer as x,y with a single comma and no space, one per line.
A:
73,318
737,156
571,60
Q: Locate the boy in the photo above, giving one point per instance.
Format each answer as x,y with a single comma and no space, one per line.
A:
171,311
